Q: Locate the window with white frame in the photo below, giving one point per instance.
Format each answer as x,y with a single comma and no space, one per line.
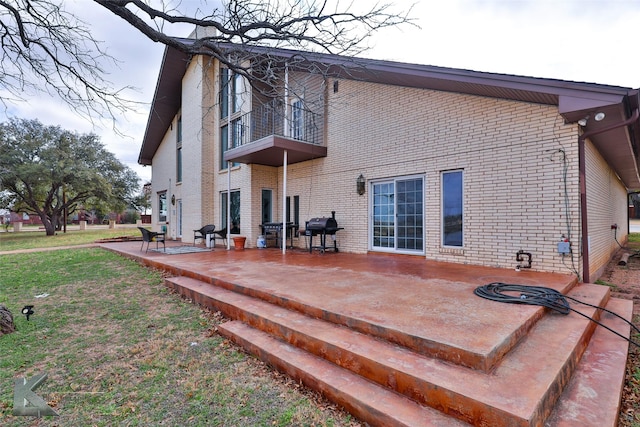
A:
234,208
297,120
452,208
238,94
179,150
162,206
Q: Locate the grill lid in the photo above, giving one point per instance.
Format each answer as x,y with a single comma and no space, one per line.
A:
320,224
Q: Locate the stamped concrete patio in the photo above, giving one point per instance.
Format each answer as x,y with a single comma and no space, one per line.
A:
399,340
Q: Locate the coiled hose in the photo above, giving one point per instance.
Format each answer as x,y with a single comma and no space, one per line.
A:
545,297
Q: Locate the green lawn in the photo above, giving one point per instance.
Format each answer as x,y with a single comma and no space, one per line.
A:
119,349
32,237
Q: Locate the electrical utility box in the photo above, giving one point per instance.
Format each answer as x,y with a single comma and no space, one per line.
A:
564,248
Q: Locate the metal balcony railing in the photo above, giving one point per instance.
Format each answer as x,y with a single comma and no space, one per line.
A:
271,119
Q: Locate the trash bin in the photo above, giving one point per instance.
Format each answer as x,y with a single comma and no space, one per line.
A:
210,241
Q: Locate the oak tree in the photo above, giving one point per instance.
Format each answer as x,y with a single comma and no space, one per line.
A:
47,171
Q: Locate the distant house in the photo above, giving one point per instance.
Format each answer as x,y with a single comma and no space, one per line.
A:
454,165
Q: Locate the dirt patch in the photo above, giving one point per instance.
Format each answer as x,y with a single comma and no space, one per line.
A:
625,284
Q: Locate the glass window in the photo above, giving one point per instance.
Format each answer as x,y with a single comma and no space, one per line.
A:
452,208
179,130
267,211
224,92
224,145
179,150
162,206
236,140
297,120
238,92
179,164
235,211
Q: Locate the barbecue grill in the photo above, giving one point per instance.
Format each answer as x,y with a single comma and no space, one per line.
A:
275,228
322,227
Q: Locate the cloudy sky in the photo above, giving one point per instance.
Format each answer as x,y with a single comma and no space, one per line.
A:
579,40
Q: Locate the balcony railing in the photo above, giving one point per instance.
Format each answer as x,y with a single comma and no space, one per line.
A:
272,120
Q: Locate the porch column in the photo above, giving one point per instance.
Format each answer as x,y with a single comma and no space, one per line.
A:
284,203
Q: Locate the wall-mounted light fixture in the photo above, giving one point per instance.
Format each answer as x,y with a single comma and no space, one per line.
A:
360,185
598,117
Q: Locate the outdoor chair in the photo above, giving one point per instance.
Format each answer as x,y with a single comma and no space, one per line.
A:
221,235
201,233
150,236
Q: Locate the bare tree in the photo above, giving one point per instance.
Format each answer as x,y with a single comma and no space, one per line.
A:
46,48
237,31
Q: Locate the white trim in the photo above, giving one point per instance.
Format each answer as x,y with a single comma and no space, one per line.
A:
395,249
441,219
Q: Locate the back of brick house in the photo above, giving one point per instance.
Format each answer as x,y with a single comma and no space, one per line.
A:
459,166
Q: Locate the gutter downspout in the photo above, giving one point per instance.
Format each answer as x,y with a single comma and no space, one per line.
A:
583,187
229,141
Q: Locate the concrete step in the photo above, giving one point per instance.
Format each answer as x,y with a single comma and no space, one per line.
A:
452,324
369,402
592,397
521,390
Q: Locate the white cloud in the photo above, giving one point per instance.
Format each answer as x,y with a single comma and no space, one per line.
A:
579,40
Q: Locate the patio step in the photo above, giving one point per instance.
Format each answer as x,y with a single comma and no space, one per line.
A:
369,402
481,348
592,397
521,390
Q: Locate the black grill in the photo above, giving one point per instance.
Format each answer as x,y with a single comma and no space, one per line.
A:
319,225
322,227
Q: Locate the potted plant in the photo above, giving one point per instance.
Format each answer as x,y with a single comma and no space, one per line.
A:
238,242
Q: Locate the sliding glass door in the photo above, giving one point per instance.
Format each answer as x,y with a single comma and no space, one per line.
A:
397,208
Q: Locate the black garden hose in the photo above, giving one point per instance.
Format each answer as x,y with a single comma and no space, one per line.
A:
545,297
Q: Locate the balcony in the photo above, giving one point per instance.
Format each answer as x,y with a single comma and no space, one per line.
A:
264,134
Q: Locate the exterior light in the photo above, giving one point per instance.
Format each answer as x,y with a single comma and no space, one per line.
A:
27,311
583,122
599,116
360,185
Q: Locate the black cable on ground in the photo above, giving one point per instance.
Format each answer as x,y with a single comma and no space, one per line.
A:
545,297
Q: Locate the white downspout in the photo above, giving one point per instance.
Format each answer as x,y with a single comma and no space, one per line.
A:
287,132
284,201
229,140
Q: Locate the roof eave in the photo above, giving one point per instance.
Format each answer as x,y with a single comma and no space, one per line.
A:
166,102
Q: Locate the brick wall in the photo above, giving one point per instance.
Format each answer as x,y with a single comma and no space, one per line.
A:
606,205
520,166
513,174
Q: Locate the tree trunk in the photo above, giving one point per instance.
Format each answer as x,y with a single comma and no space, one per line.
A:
48,224
6,321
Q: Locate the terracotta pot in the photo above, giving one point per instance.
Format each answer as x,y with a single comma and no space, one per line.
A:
238,243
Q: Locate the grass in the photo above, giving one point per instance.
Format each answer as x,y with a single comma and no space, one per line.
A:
613,286
33,237
119,349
